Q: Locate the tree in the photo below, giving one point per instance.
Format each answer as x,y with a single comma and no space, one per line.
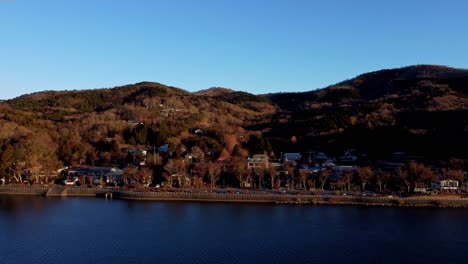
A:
8,161
290,174
453,174
175,167
303,176
145,175
214,171
39,154
323,177
406,178
239,168
196,151
259,174
382,178
345,180
273,174
414,173
365,174
129,174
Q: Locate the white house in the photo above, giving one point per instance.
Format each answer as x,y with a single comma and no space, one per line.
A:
447,186
258,160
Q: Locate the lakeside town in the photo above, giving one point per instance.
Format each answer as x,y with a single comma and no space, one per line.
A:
158,170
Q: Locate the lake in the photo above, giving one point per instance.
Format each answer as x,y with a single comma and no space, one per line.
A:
93,230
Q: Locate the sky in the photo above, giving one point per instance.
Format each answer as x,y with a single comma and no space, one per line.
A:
257,46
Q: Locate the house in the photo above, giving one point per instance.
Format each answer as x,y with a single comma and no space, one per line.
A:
292,156
164,149
110,174
136,151
347,158
258,160
447,186
320,156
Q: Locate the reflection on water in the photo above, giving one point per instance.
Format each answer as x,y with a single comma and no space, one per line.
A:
89,230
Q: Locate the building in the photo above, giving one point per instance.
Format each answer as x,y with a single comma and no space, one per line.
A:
292,156
258,160
447,186
164,149
110,174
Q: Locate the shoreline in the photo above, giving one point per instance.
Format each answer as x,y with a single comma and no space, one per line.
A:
203,196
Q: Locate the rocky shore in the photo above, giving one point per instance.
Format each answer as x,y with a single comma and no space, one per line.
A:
237,197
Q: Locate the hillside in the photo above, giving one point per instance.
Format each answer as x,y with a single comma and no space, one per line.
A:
421,110
437,83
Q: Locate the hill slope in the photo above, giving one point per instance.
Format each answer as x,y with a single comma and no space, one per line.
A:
421,110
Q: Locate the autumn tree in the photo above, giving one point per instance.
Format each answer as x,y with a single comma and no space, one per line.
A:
145,174
258,172
175,167
453,174
129,174
13,162
39,153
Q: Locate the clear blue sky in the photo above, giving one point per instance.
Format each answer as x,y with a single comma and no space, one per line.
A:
259,46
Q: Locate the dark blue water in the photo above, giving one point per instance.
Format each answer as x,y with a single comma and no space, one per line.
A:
86,230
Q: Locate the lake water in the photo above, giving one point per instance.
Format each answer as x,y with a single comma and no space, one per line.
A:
93,230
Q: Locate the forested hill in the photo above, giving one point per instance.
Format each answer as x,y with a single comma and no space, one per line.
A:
434,87
418,109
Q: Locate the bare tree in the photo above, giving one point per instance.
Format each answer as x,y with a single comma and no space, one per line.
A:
382,178
303,176
238,167
344,181
290,172
214,171
273,174
323,177
365,174
405,177
259,173
415,172
175,168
